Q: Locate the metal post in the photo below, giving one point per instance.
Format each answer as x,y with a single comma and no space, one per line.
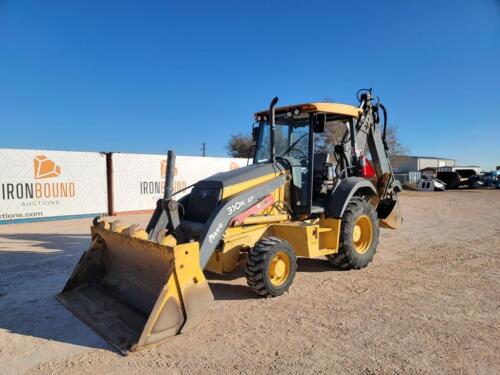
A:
169,176
310,166
109,178
271,124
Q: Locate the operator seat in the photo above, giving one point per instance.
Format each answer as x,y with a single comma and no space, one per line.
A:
323,175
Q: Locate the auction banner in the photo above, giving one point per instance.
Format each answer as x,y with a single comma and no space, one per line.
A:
139,180
41,184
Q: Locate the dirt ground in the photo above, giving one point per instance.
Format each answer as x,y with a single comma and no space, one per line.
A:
429,303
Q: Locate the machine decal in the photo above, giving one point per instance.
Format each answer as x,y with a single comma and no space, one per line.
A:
239,205
213,236
228,209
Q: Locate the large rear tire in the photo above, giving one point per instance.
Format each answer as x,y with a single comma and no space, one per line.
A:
359,232
271,267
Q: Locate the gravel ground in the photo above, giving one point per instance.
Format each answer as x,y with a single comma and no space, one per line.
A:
429,303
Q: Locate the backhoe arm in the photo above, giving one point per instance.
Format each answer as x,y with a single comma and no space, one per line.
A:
365,134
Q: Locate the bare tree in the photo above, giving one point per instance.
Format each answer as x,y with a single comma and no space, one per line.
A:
335,130
394,145
240,145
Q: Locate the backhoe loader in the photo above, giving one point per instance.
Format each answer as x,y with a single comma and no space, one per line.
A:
137,286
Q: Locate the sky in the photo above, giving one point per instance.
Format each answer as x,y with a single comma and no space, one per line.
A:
148,76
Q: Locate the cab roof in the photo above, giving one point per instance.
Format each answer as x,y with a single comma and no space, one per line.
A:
328,108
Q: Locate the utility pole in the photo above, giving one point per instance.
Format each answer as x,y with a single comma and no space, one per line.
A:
204,149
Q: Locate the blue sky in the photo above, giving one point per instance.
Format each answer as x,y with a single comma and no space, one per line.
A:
145,76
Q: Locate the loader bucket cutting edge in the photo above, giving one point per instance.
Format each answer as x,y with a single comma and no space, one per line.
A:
135,292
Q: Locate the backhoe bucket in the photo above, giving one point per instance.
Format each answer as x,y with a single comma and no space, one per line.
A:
135,292
392,217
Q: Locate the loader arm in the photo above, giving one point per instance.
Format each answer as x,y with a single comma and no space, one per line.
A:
229,209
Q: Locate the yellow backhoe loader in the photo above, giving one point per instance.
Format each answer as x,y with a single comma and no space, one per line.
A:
137,286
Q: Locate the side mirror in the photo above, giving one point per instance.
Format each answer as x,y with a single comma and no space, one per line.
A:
255,133
319,123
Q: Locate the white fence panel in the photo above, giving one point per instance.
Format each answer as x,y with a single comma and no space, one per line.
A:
41,184
139,180
411,177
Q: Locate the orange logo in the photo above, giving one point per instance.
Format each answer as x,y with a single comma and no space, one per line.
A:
233,165
163,168
45,168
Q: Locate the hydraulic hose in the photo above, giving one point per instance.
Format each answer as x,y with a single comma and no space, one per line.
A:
385,125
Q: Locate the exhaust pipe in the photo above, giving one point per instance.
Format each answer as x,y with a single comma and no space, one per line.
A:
272,120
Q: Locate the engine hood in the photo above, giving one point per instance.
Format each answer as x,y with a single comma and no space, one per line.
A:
237,180
209,192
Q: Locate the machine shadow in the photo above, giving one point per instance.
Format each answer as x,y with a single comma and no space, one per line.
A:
316,265
231,292
31,279
223,290
29,282
303,265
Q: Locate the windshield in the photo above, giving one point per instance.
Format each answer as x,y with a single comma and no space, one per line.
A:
291,139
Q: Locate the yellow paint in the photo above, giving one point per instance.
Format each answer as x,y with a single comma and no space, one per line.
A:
236,188
329,108
142,234
136,232
169,241
310,240
329,234
215,263
279,268
313,238
236,239
241,238
117,226
186,291
394,219
261,219
303,237
362,234
169,294
104,225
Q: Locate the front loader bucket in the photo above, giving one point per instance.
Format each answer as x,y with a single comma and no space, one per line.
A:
136,292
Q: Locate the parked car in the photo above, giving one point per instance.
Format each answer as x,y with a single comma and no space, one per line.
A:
491,179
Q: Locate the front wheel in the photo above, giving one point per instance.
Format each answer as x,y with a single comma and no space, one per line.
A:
359,234
271,267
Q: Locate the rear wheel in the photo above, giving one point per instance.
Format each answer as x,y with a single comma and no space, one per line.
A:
271,267
359,233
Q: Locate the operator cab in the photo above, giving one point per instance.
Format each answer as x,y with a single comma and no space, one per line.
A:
292,143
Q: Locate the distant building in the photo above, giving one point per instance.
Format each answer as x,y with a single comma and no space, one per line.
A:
429,172
404,164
